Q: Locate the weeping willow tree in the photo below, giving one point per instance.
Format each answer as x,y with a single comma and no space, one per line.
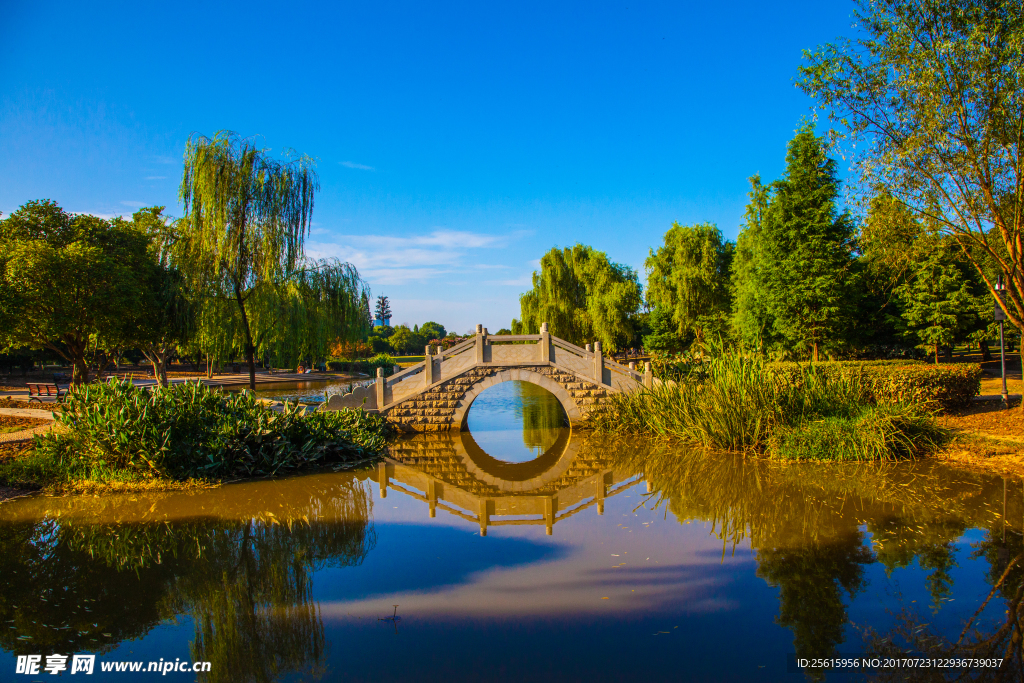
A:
303,317
247,217
689,279
583,297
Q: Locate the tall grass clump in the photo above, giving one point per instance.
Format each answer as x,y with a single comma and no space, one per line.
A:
118,431
741,403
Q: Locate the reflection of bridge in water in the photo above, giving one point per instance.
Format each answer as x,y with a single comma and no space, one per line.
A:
451,472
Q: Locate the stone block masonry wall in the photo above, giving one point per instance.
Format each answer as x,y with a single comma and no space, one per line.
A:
436,455
433,411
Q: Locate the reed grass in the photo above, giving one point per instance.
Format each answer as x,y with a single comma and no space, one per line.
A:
736,402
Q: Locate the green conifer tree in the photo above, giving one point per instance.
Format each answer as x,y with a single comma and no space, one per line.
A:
806,248
751,321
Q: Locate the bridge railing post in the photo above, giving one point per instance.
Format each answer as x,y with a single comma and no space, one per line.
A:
428,366
381,386
545,343
648,375
598,363
479,343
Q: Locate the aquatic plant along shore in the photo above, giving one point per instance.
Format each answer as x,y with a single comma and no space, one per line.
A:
118,434
738,402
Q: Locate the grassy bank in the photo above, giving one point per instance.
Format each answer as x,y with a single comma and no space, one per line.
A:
740,403
119,436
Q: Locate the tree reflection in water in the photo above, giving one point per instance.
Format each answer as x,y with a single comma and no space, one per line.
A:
815,527
542,416
89,573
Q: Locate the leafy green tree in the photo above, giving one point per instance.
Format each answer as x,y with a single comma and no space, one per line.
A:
167,317
242,239
583,297
803,250
405,340
67,281
431,330
931,100
663,336
689,278
379,344
940,306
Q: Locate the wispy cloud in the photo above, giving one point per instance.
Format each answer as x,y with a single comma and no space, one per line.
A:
360,167
392,260
156,177
522,281
136,205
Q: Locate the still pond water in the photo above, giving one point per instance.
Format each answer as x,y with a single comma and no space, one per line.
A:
515,551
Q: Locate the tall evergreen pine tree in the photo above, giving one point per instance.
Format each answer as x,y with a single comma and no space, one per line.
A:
798,262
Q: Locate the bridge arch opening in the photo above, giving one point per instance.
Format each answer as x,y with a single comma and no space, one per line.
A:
572,411
515,422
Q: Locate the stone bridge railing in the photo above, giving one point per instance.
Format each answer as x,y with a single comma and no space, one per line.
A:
484,350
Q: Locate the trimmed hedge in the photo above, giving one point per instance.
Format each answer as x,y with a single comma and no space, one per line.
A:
367,367
937,387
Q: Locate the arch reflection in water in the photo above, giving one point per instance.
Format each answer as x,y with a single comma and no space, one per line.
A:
451,472
83,574
517,421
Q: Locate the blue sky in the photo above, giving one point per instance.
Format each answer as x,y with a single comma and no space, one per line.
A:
456,143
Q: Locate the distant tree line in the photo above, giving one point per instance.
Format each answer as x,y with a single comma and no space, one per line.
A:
928,105
227,280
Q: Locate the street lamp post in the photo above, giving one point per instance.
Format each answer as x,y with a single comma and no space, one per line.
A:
1000,315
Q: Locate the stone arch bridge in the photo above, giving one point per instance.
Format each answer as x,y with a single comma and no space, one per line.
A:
436,395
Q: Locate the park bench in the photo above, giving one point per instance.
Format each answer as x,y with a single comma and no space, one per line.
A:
37,391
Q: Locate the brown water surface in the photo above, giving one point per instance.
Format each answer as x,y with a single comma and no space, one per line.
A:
597,559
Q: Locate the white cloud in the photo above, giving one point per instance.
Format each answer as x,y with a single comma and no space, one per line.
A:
392,260
360,167
522,281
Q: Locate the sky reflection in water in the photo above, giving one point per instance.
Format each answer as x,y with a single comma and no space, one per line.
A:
516,421
724,568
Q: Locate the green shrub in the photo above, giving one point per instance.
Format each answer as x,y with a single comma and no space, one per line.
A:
190,430
883,432
934,387
367,366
